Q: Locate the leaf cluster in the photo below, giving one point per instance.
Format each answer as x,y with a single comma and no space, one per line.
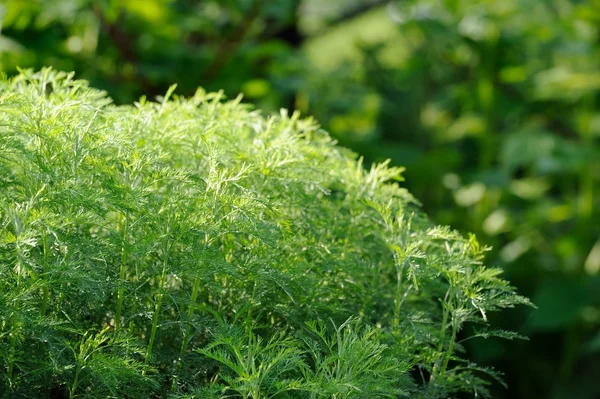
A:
192,247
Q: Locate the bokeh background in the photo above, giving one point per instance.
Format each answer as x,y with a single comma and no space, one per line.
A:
493,107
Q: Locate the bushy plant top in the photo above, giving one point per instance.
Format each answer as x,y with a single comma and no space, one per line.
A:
196,248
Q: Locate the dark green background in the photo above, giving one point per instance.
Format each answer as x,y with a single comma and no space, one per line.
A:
491,105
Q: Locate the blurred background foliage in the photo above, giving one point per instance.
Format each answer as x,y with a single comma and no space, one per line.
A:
493,107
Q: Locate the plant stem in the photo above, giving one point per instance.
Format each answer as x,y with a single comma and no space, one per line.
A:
398,299
154,325
121,290
450,348
190,313
45,292
159,296
12,349
73,388
437,372
13,319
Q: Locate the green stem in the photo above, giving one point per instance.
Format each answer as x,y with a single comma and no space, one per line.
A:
437,372
61,296
14,326
12,349
45,292
450,349
190,313
121,290
75,384
154,325
161,284
398,298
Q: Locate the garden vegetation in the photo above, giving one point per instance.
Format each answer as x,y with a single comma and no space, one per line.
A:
194,248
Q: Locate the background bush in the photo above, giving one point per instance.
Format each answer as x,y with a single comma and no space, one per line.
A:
491,106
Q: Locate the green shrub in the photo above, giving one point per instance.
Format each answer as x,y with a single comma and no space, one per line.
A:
194,248
495,116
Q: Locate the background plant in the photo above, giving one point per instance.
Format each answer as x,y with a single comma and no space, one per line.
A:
195,248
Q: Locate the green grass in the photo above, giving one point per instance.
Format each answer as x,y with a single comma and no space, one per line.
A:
193,248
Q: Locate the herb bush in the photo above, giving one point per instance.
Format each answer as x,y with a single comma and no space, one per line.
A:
193,248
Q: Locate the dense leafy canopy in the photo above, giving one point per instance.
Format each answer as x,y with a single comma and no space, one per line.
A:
490,105
195,248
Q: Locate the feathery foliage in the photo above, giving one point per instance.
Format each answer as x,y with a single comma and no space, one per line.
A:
195,248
